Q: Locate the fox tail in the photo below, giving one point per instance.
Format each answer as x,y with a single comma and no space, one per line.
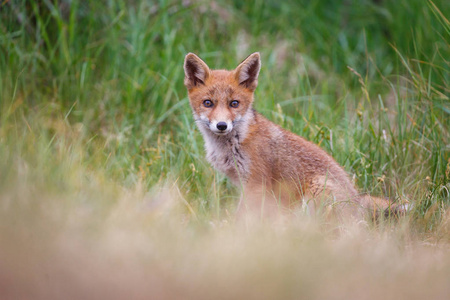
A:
385,207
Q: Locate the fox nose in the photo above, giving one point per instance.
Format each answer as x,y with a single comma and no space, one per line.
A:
222,126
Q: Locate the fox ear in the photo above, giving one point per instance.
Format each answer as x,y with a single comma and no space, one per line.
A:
247,72
195,70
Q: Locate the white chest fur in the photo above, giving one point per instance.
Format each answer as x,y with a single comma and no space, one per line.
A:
226,155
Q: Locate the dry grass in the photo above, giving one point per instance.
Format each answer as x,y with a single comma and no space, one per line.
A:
148,246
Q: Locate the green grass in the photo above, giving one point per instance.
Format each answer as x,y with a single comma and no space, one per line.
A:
104,187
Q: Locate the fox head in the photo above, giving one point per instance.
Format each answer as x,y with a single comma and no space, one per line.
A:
221,100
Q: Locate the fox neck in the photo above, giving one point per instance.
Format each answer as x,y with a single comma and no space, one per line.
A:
225,152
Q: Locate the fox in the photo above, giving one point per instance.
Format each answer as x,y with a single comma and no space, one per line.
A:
276,169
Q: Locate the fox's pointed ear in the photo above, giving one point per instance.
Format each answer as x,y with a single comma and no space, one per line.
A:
247,72
196,71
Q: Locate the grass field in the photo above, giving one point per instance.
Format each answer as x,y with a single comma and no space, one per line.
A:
105,192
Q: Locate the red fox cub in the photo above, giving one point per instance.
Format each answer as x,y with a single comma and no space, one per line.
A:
275,168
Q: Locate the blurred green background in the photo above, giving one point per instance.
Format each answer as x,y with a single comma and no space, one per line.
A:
97,86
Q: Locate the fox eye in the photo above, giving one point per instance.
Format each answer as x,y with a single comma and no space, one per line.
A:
234,103
208,103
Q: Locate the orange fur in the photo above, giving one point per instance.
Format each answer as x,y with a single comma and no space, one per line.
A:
276,169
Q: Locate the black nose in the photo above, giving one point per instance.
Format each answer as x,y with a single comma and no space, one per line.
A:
221,126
